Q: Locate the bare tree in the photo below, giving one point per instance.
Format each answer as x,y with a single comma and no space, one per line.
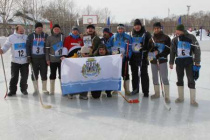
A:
6,7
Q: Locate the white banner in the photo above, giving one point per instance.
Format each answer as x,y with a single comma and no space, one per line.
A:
91,74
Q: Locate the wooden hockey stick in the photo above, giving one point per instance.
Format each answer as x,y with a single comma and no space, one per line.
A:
40,98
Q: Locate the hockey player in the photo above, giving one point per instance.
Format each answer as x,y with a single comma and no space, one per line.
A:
184,47
72,43
120,44
101,51
54,45
159,47
17,43
35,47
93,40
140,40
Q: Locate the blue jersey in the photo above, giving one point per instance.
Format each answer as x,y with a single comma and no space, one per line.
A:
137,44
120,43
183,49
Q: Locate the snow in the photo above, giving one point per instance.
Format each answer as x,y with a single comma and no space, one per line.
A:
22,117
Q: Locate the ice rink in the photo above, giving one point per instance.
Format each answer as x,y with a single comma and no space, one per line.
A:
23,118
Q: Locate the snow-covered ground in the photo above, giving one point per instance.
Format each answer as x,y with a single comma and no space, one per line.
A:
22,117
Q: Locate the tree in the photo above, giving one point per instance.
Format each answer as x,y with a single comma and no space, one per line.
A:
6,7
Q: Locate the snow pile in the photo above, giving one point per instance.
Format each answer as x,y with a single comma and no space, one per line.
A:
202,36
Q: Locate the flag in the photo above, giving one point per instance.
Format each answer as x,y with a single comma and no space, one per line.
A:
77,22
108,21
180,20
51,25
91,74
144,22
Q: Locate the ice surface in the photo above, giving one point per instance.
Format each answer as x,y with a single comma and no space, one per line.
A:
22,117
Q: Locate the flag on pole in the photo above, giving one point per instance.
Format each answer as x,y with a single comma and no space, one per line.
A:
51,25
91,74
144,22
180,20
77,22
108,21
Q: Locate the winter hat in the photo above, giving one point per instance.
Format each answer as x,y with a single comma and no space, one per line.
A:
85,49
120,26
91,26
56,25
106,30
137,22
157,24
38,24
102,46
75,28
180,27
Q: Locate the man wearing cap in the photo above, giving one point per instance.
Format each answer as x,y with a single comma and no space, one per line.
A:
120,44
186,50
95,40
19,64
106,36
36,48
54,46
72,43
159,47
140,40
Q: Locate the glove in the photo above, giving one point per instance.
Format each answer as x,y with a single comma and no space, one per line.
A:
196,70
29,59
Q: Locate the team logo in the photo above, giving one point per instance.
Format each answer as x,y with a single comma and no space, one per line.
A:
91,68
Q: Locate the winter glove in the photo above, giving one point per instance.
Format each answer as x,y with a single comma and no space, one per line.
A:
196,70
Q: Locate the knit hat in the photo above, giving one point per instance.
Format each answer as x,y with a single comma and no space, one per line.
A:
102,46
106,30
120,26
157,24
38,24
85,49
75,28
180,27
137,22
56,25
91,26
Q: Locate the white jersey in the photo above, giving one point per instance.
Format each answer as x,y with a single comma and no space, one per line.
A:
17,43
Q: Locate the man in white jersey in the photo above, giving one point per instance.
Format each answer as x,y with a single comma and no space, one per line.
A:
17,43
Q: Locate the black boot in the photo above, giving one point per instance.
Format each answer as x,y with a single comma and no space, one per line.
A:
25,92
146,95
108,94
135,92
11,94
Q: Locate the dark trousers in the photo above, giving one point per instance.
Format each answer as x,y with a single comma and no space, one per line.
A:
39,65
180,75
125,70
136,70
84,94
15,69
97,94
53,70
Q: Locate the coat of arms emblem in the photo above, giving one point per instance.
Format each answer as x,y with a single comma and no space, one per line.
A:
91,68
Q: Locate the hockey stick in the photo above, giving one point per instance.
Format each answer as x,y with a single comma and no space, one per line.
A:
129,101
40,98
5,79
161,83
126,62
